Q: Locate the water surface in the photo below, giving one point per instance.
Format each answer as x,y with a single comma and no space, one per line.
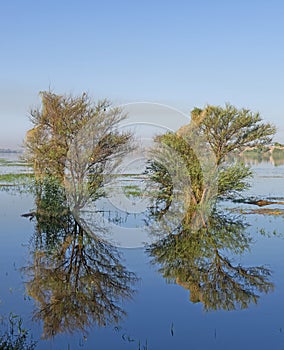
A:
165,306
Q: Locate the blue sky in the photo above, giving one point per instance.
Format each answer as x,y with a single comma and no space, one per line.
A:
181,53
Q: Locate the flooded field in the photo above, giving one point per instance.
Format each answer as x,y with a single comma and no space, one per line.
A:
74,285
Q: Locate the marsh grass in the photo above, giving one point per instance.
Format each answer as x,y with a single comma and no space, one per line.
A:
6,162
259,211
266,211
17,184
132,191
15,179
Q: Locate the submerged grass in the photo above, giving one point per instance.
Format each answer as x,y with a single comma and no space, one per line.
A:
16,183
6,162
265,211
15,177
132,190
259,211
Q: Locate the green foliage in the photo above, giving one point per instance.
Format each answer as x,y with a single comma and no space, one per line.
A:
58,123
132,191
277,144
225,132
50,196
231,129
193,252
15,178
194,171
161,175
233,178
51,212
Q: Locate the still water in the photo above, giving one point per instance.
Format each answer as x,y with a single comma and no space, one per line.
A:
224,291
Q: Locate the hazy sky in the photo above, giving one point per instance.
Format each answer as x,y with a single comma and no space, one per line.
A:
181,53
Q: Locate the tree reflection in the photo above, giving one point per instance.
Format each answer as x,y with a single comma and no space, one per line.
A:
197,259
76,279
258,156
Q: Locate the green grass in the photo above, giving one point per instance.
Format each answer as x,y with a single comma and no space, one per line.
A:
14,179
132,190
5,162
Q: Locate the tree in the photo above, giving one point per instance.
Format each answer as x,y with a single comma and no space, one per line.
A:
56,126
174,157
230,129
192,251
214,133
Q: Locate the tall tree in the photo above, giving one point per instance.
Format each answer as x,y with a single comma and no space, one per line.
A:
215,133
230,129
57,124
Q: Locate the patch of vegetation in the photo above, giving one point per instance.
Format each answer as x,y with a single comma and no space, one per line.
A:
6,162
265,154
15,337
14,179
16,183
132,190
257,151
259,211
266,211
277,144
